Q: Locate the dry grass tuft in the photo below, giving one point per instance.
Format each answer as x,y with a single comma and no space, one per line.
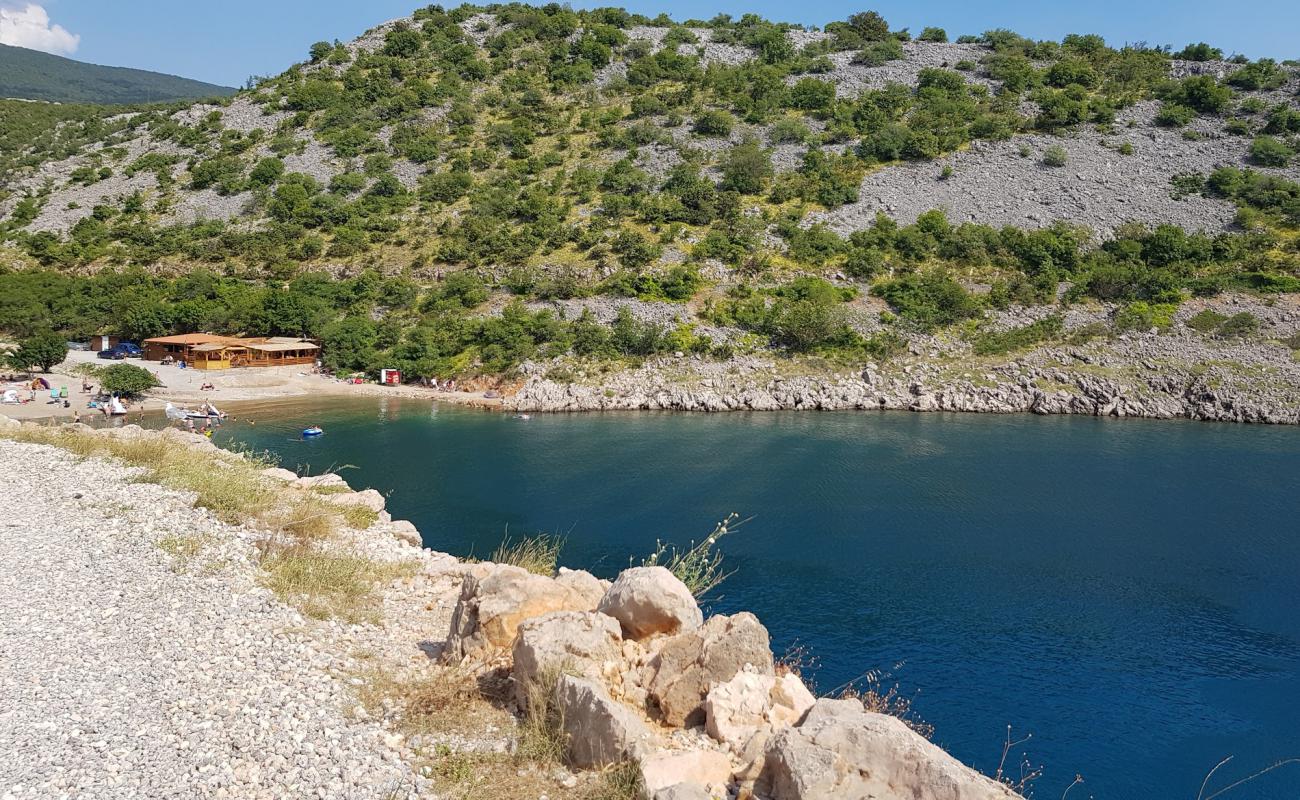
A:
439,699
870,690
538,554
541,732
328,585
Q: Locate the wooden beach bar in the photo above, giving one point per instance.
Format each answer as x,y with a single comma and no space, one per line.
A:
209,351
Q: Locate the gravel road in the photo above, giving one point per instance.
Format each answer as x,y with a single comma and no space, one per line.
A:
128,673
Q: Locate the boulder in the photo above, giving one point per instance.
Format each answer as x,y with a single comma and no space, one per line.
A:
705,768
494,599
280,474
683,791
584,583
366,498
651,600
601,730
581,643
751,702
690,664
841,751
7,423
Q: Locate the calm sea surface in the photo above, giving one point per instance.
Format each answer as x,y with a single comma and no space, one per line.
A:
1126,591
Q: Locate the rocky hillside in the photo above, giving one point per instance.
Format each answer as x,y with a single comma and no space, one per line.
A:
461,193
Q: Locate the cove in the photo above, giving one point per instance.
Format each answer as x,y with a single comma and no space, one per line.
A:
1127,591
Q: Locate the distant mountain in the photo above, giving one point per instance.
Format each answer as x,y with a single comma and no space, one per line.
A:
33,75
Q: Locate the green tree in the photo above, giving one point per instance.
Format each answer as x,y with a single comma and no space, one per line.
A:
869,25
45,350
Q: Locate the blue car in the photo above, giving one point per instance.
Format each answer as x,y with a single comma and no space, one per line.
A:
122,350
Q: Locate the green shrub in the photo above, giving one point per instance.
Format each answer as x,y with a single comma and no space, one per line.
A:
933,35
930,299
127,380
1239,325
879,53
999,342
714,123
1055,156
1206,321
1143,316
1268,151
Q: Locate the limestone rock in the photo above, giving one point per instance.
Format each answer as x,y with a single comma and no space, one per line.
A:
495,599
581,642
683,791
367,498
280,474
327,481
651,600
601,730
8,423
751,702
690,664
841,751
406,531
584,583
704,768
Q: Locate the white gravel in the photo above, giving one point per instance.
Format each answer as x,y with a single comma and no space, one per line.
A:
127,674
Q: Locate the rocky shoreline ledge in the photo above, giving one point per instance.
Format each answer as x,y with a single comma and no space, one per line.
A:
149,654
1169,374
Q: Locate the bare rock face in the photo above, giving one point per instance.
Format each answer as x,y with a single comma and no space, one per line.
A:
707,769
651,600
841,751
579,642
601,730
690,664
751,702
495,599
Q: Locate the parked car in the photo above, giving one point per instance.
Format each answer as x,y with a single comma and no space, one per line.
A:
121,351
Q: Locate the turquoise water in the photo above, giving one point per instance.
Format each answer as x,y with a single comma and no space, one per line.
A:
1126,591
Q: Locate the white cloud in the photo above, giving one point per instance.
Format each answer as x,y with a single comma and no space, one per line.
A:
27,25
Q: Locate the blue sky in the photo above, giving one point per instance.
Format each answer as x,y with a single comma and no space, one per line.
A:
226,42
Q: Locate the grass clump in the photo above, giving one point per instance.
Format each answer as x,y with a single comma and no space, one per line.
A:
538,554
328,585
999,342
700,565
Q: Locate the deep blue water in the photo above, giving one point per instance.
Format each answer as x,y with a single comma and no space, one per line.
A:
1126,591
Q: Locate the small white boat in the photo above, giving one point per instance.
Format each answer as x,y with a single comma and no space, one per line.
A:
115,408
312,431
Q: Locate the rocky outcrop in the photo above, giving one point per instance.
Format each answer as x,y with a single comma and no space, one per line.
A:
690,664
578,643
844,752
651,600
495,599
